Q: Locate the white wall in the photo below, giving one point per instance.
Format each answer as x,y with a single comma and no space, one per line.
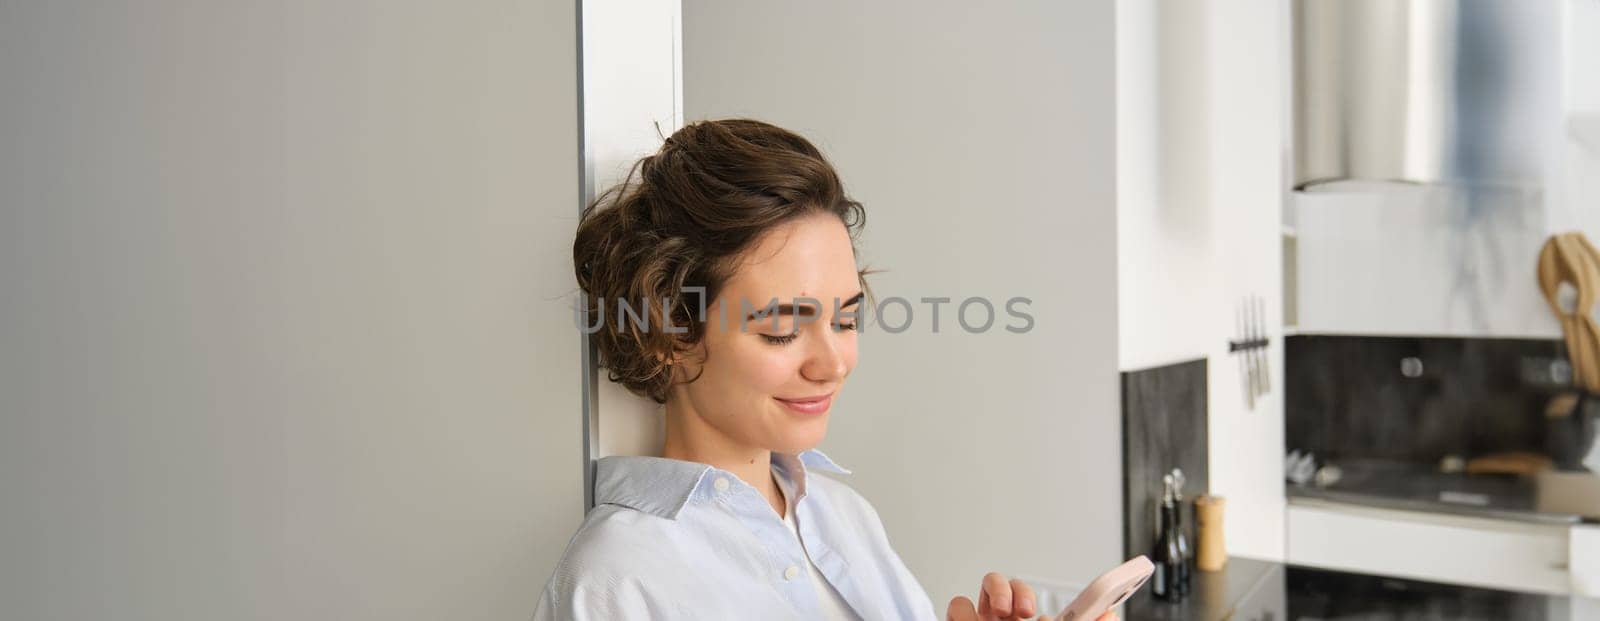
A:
632,99
1250,105
1201,132
980,137
631,86
1422,261
1575,198
284,332
1169,308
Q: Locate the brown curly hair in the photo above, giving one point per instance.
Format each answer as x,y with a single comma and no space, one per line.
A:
680,219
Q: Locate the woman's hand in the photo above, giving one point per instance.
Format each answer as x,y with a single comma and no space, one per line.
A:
1001,600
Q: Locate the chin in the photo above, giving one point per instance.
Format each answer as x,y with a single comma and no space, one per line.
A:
803,439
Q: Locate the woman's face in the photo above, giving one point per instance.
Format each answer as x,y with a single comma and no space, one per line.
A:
769,382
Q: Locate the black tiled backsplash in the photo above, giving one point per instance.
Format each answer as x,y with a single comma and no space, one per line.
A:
1163,427
1359,397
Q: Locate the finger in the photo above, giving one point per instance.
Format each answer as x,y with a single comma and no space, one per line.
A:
1021,600
1110,615
997,594
960,609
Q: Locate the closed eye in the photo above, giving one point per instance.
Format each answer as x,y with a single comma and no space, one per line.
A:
781,339
785,339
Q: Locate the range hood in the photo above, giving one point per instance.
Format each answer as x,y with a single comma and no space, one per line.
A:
1452,92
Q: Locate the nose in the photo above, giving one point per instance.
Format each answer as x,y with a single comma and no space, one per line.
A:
829,357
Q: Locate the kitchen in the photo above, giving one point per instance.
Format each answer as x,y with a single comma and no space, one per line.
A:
1436,424
292,326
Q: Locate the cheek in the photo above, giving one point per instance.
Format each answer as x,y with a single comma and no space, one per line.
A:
768,370
755,368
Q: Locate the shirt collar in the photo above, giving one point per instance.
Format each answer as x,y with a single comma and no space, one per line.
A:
662,487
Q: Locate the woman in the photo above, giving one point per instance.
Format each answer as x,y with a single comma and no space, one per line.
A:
720,280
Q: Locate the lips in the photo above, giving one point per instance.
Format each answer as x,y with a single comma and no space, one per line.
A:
808,405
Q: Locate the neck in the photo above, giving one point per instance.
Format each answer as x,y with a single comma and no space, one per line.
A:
690,438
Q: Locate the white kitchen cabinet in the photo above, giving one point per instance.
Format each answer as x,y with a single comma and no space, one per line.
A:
1482,552
1583,551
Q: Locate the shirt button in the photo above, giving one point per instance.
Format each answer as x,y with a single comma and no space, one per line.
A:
721,484
791,572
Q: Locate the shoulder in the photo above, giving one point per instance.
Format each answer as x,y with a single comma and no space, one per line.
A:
605,568
610,538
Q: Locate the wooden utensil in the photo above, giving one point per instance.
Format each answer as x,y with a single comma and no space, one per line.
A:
1570,258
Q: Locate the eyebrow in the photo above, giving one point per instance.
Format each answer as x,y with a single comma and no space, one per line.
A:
806,310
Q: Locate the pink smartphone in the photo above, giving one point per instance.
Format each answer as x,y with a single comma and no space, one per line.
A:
1109,590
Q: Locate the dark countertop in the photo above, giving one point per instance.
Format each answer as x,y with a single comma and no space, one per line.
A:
1216,595
1252,590
1549,497
1318,594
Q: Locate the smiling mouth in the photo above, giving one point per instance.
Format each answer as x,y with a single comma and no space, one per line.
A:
808,405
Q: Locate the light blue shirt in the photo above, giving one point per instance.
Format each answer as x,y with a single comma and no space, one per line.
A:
671,539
